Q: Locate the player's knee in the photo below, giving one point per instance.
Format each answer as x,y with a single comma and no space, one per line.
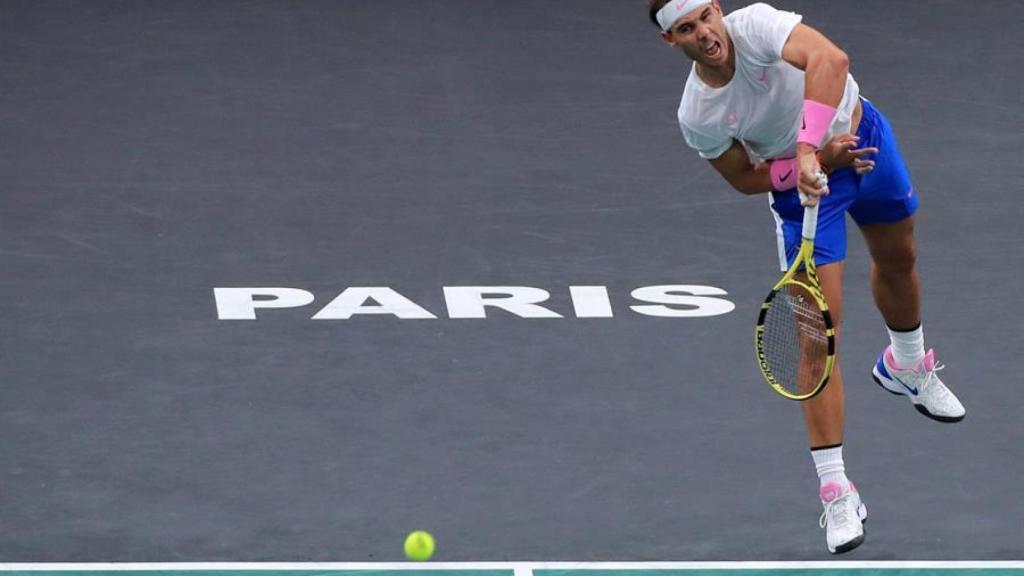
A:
897,262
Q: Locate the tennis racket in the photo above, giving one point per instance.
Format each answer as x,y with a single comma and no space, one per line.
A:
795,339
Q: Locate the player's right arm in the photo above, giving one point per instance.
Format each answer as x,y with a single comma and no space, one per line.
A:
734,165
841,151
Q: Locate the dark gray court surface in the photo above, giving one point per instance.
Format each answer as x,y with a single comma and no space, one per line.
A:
153,151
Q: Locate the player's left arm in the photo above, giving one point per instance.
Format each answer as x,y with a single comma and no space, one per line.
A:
825,68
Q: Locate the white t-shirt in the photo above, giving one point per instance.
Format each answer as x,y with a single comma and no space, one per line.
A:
763,103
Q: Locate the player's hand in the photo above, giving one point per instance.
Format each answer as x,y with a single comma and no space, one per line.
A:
812,183
841,151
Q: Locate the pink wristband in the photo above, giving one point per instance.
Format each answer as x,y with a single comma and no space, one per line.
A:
783,173
817,120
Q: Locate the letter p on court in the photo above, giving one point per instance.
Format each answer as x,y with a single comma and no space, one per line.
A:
241,303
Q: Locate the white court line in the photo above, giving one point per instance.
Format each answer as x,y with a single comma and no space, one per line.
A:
518,568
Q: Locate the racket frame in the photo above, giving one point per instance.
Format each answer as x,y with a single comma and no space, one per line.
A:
805,259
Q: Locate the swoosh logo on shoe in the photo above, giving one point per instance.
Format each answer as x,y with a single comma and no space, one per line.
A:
913,391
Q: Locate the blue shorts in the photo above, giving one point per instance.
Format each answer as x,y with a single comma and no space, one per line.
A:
881,196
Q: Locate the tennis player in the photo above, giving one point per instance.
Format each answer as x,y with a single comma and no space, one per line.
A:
768,102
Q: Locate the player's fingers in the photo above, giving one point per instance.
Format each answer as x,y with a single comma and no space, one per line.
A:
809,178
813,190
845,146
814,186
861,152
863,166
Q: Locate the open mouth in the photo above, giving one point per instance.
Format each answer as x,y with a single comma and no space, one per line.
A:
713,50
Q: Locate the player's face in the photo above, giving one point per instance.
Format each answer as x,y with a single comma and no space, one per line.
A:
701,36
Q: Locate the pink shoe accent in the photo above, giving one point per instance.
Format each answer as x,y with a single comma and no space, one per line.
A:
928,361
829,492
890,360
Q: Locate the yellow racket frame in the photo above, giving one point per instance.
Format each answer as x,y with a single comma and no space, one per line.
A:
804,258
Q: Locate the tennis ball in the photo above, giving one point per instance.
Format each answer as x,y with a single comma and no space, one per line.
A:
419,546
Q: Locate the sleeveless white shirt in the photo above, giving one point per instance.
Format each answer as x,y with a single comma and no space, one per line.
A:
762,105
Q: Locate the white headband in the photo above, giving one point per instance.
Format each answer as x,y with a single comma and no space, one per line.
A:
676,9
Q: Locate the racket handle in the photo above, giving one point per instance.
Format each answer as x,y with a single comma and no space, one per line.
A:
810,221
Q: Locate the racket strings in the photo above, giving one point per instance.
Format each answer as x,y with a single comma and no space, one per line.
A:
795,341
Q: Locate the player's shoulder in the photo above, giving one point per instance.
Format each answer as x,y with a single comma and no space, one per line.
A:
755,10
755,17
759,31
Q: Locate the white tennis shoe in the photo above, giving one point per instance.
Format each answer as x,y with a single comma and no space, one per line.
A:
843,518
921,383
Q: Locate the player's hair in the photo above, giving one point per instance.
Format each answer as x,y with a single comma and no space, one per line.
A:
653,6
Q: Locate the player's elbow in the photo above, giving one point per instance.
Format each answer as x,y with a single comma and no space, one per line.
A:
838,61
834,60
841,60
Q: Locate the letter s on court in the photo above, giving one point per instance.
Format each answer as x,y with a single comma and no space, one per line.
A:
687,301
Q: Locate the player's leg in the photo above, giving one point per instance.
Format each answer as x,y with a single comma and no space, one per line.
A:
904,367
824,414
884,210
895,283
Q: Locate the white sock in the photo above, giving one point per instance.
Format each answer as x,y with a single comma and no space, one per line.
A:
829,463
907,346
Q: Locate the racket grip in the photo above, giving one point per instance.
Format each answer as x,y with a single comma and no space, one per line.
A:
810,221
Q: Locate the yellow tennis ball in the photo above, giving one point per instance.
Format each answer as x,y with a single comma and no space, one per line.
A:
419,546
